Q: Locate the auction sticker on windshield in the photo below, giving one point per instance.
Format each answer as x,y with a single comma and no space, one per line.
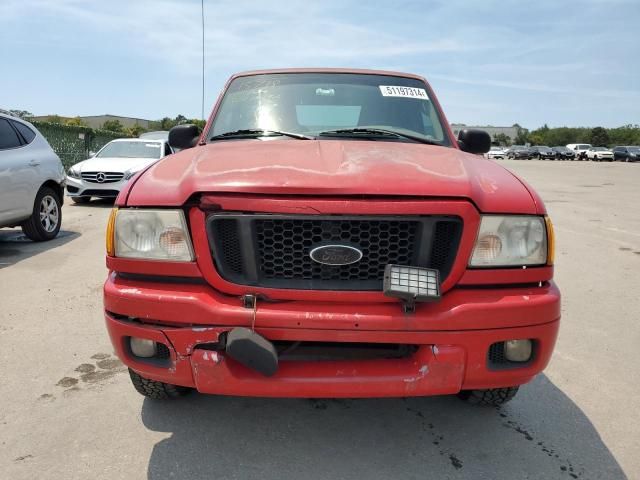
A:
407,92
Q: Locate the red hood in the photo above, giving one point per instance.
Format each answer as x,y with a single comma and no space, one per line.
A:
332,167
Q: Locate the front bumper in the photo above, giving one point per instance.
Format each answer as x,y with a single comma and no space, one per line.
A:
452,337
77,187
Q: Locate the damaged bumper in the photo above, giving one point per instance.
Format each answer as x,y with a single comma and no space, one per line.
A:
450,340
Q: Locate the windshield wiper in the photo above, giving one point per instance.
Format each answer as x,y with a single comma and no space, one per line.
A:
257,132
374,132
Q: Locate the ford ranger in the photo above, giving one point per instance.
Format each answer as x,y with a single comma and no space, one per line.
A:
325,235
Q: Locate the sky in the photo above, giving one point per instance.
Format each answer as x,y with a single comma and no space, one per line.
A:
490,62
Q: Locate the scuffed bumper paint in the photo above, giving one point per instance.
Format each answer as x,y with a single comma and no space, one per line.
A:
453,338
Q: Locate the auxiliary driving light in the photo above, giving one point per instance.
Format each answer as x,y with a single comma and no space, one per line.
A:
517,350
411,284
142,347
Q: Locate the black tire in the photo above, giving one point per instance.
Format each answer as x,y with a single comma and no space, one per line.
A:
493,397
40,230
156,390
80,200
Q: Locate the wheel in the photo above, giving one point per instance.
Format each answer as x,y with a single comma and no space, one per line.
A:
492,397
44,223
81,200
156,390
595,158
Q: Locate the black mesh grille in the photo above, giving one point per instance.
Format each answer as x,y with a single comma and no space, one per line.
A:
496,354
162,351
229,237
285,247
274,251
445,240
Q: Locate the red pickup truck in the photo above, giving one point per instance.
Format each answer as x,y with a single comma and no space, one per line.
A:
325,235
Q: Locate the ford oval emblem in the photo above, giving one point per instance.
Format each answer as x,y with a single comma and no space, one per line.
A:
335,255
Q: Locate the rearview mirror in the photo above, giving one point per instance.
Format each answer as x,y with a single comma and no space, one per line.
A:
183,136
474,141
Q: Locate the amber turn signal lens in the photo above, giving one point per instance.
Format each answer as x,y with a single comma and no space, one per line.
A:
110,242
551,241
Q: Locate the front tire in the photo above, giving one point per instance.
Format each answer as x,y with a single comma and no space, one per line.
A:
46,218
492,397
154,389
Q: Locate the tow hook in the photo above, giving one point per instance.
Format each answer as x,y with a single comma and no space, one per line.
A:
250,349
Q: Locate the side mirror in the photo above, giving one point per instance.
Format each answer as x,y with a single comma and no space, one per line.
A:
474,141
183,136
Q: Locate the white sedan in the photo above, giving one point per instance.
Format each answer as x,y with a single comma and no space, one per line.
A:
496,153
104,174
599,154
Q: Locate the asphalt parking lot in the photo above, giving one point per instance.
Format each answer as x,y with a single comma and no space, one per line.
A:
68,411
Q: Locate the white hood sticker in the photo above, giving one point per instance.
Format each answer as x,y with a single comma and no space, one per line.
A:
407,92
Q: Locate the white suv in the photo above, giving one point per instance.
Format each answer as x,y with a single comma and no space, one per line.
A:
32,180
581,149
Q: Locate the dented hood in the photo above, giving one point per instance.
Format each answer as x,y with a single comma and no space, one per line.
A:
331,168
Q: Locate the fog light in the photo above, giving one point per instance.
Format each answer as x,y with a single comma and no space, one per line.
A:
411,284
517,350
142,347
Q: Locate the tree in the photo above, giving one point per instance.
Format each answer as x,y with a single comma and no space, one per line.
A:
522,135
54,119
135,131
502,140
21,113
77,122
599,137
113,126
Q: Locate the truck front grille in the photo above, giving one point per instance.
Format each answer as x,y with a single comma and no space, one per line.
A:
274,250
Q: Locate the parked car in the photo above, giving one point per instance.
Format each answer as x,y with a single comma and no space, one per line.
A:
630,153
105,174
580,150
599,154
496,153
309,242
518,152
31,180
542,153
157,135
564,153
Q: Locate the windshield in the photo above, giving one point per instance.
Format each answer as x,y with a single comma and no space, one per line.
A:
599,149
561,149
131,150
633,149
312,103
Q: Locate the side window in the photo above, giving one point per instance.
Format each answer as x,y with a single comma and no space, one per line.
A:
8,136
25,131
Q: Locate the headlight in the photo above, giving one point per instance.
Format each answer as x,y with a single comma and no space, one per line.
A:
130,173
509,241
151,234
74,172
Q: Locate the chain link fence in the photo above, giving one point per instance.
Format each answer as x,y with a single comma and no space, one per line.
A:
72,143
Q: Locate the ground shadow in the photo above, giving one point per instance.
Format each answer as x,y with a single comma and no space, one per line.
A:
96,202
542,434
15,246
